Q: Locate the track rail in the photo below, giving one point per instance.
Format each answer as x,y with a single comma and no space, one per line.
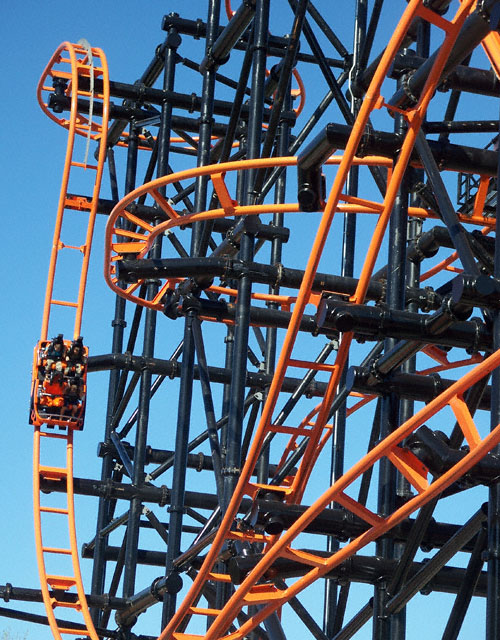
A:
129,236
266,595
256,589
67,65
58,554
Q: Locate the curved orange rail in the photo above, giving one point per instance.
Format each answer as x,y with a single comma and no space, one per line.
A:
120,241
80,64
250,592
315,426
138,239
254,590
58,561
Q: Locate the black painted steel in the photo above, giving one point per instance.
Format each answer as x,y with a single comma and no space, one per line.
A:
220,371
106,507
475,28
493,542
331,522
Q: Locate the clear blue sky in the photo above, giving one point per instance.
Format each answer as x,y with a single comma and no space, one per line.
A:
31,164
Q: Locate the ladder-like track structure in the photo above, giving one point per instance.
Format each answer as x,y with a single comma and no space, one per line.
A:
58,562
244,540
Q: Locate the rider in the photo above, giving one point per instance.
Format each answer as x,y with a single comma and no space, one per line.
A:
75,360
54,354
72,398
53,390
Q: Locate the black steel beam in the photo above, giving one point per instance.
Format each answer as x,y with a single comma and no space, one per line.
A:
337,522
461,126
188,102
276,48
198,461
365,74
10,592
449,157
359,568
219,52
376,322
446,209
410,386
35,618
468,79
477,25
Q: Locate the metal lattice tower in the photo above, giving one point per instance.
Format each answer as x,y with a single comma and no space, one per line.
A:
303,369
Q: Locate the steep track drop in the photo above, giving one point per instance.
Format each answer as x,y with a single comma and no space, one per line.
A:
58,560
130,237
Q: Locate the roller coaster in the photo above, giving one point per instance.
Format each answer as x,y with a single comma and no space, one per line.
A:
319,309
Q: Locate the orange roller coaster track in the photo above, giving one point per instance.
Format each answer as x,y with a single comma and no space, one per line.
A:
243,151
69,64
250,591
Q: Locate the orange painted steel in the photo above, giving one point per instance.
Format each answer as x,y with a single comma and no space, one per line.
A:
70,63
137,241
61,517
250,592
271,598
81,64
121,241
491,45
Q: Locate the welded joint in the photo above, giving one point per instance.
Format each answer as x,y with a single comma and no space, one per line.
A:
231,471
6,592
175,508
119,323
474,347
164,496
201,460
279,275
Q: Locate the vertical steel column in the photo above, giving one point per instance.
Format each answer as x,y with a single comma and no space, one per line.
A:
412,280
387,628
199,242
332,615
133,528
229,340
493,545
240,187
176,508
201,235
414,225
276,255
104,512
242,319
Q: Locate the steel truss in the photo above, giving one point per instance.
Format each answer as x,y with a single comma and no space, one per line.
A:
304,286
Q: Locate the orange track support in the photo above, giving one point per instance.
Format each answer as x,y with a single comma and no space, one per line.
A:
137,243
68,65
88,63
127,235
61,518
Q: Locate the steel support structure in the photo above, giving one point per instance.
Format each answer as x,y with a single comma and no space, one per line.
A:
305,345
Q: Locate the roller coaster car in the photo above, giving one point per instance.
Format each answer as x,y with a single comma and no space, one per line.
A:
59,384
